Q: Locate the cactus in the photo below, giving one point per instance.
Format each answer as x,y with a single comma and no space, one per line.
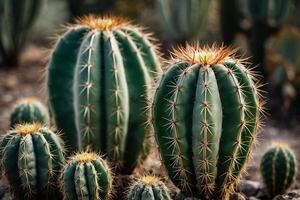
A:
148,188
278,169
99,80
85,7
16,19
86,176
29,110
184,19
32,156
206,115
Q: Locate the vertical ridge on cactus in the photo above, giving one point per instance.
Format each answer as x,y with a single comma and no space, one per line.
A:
148,187
206,115
99,81
278,169
86,176
29,110
32,157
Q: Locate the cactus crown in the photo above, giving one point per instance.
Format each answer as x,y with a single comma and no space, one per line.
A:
85,157
28,100
103,23
27,129
149,180
206,55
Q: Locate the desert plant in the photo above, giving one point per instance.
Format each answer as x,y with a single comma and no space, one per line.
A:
16,19
32,157
278,169
99,79
206,115
29,110
148,187
86,176
84,7
184,19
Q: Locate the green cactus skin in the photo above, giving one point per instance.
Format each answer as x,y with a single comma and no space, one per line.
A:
184,19
99,81
86,177
29,110
16,19
84,7
278,169
206,116
148,188
32,157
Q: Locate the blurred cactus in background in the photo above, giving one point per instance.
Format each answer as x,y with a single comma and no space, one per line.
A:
278,169
16,19
184,19
80,8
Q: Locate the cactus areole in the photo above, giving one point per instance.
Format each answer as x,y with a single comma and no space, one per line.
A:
99,79
206,116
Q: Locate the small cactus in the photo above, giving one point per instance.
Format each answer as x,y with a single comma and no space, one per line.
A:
86,176
99,81
148,188
206,115
278,169
32,157
29,110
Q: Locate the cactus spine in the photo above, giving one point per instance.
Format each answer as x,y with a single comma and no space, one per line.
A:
29,110
86,176
16,18
278,169
99,80
184,19
148,188
32,157
206,116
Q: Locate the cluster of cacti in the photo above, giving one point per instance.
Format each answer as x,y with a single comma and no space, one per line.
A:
206,114
184,19
278,169
148,188
16,19
32,157
86,176
85,7
99,80
29,110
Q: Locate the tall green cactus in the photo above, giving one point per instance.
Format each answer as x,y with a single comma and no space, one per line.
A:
29,110
85,7
32,157
278,169
86,176
148,188
184,19
99,80
16,19
206,114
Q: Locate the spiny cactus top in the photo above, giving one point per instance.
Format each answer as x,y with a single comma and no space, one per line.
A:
99,80
86,176
206,116
278,168
29,110
32,156
148,188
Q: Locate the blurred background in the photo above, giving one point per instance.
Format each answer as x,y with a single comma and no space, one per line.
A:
266,31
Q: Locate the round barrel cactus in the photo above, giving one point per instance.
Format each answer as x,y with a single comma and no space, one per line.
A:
99,80
148,187
29,110
184,19
86,176
206,114
278,169
32,157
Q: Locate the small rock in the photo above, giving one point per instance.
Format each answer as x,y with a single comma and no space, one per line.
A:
249,188
292,195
